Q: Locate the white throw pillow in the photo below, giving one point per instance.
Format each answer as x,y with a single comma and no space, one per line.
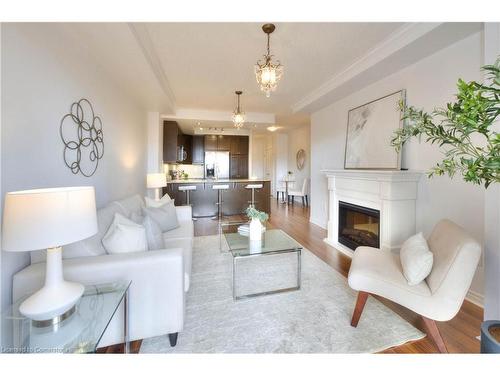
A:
124,236
165,216
154,203
416,259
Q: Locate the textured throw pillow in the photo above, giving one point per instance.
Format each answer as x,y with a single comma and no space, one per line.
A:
416,259
137,218
124,236
154,203
165,216
153,233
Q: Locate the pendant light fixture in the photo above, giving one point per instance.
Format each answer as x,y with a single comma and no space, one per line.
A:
238,115
267,72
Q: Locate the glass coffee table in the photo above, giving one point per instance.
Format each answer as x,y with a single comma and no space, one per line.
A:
79,333
273,242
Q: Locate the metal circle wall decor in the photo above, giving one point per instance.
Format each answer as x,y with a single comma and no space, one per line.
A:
301,159
81,133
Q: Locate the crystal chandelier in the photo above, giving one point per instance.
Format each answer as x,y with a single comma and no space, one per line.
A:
238,115
268,73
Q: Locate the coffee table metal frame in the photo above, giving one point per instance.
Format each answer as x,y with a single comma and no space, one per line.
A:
236,257
274,291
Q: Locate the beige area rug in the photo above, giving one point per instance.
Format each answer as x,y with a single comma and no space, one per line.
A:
314,319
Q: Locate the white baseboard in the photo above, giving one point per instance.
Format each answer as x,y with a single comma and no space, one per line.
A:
317,222
475,298
339,247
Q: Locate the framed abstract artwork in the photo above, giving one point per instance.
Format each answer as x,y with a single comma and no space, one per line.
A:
370,128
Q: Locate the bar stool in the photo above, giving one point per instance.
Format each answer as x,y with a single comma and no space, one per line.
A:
220,199
253,187
188,189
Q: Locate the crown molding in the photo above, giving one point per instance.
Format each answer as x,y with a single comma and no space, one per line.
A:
225,116
140,31
401,38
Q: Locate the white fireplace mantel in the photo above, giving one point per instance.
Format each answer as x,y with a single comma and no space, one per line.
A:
392,193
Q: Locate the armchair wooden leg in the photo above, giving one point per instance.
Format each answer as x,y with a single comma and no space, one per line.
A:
433,332
360,305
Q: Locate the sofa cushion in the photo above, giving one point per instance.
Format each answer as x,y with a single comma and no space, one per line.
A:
124,236
185,230
91,246
165,215
132,204
416,259
186,244
154,203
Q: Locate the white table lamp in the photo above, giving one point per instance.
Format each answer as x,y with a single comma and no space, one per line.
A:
48,219
156,181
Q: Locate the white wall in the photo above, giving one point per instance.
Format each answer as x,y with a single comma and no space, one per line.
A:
492,203
429,83
42,75
155,142
299,138
257,151
280,156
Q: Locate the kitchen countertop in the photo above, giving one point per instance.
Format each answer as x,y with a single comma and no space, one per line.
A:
219,181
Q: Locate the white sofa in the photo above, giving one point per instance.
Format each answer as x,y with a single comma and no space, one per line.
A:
160,278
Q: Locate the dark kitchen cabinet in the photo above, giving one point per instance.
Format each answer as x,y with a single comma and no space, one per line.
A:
184,147
263,197
198,149
224,143
239,145
177,147
236,199
238,167
210,143
170,138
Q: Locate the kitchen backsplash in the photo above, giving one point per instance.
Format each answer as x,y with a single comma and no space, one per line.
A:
193,171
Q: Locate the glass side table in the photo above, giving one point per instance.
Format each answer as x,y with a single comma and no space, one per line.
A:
79,333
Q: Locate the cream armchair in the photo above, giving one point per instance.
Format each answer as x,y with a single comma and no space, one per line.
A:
439,296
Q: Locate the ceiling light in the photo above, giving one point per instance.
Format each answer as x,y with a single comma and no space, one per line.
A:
238,115
268,73
273,128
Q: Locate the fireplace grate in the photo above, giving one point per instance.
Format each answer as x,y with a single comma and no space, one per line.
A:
358,226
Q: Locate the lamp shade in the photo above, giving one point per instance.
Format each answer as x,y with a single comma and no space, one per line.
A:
46,218
156,180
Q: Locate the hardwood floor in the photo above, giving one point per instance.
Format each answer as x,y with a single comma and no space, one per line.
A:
459,334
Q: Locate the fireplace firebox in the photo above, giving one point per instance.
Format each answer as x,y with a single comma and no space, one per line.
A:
358,226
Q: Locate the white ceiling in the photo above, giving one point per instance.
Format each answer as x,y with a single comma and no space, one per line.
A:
177,68
206,62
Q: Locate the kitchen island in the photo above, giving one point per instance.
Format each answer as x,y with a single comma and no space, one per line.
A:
236,198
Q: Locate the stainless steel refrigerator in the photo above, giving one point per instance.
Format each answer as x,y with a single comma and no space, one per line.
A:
217,164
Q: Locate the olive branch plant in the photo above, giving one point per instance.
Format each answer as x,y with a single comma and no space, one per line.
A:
464,129
253,213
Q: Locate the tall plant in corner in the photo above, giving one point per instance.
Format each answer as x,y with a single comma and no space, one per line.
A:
464,130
